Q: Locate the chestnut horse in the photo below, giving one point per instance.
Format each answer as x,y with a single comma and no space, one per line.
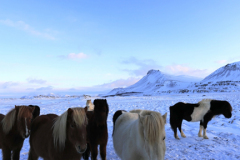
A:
97,132
61,137
14,128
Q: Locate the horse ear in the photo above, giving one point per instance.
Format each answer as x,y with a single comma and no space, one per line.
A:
86,108
70,111
165,117
16,107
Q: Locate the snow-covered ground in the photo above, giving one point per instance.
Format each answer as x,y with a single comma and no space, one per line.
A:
224,134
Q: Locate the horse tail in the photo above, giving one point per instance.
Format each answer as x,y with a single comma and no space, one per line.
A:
152,124
173,118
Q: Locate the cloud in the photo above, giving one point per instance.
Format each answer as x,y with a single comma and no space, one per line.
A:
27,28
143,66
222,61
179,69
74,56
36,81
119,83
7,85
49,88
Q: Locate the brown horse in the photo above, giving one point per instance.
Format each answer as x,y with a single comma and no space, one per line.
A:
97,132
61,137
14,128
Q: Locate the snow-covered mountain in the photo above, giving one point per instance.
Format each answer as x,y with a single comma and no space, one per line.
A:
156,82
224,79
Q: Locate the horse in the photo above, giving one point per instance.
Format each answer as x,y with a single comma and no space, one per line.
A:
14,128
139,135
61,137
97,131
90,105
202,111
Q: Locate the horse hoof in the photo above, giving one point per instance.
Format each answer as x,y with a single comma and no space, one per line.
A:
183,135
199,135
205,137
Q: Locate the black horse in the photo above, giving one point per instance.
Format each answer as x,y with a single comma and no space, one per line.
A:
202,111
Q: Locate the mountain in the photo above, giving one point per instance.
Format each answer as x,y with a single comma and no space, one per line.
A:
230,72
156,82
224,79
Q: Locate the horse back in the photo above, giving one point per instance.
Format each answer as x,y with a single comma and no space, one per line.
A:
43,119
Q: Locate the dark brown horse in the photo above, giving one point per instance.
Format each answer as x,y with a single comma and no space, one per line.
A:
97,131
61,137
14,128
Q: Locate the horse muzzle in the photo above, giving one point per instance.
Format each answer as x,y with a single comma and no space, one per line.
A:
81,150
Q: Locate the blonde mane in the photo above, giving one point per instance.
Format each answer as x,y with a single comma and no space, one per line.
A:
152,124
60,126
9,120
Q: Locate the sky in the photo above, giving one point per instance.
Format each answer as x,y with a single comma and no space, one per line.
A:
95,46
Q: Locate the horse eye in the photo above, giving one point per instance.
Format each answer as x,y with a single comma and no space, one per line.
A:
163,138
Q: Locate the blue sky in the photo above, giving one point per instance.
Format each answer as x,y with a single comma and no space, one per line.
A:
94,46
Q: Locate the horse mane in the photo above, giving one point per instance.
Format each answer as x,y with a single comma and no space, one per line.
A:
9,120
60,126
153,124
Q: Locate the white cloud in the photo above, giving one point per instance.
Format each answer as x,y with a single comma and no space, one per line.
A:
143,66
77,56
179,69
37,81
27,28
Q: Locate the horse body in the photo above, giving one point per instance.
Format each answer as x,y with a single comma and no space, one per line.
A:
202,111
135,138
14,128
56,137
97,132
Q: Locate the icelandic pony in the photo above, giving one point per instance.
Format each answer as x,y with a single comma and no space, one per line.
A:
90,105
97,131
61,137
14,128
202,111
139,135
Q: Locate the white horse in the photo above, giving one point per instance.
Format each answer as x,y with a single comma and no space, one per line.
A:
89,105
139,135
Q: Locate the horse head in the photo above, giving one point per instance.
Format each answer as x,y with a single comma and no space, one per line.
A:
76,128
24,118
227,109
101,111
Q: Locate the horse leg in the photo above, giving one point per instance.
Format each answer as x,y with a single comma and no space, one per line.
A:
180,129
173,123
94,151
200,129
6,152
16,154
85,155
103,151
32,155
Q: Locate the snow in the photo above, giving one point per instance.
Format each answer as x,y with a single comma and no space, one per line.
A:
224,134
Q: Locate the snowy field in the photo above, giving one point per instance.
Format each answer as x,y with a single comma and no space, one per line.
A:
224,134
